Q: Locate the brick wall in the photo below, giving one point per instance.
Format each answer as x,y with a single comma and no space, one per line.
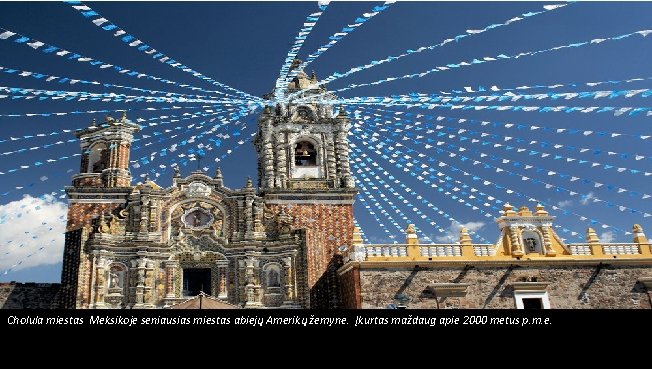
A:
570,287
29,295
81,215
350,289
327,228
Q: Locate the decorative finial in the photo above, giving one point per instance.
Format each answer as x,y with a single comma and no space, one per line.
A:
218,177
639,237
250,183
124,116
465,237
313,76
177,171
591,236
540,211
508,209
94,123
411,235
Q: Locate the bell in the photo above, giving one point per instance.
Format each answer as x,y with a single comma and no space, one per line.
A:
303,153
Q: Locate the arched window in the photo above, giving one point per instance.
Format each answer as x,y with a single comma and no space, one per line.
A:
305,154
98,158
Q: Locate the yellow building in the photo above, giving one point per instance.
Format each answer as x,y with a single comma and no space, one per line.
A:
528,267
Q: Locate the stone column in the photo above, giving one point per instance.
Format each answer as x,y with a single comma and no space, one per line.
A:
252,287
268,161
100,281
517,249
331,168
292,137
170,268
222,279
249,218
144,210
150,279
141,265
281,160
546,241
289,287
342,147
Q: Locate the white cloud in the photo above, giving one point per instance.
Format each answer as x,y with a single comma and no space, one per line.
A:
587,198
452,235
31,232
565,203
607,237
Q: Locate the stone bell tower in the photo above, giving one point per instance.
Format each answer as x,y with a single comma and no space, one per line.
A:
101,188
303,171
105,153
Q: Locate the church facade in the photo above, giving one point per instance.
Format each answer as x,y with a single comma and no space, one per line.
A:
278,245
290,241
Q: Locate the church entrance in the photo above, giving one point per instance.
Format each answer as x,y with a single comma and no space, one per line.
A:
195,281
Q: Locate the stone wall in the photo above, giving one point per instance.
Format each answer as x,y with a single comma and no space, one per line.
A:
29,295
569,287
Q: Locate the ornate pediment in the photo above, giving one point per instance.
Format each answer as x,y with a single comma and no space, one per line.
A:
198,189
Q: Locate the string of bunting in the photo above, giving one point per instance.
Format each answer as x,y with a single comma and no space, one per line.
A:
77,112
16,93
554,86
361,168
174,147
128,39
507,96
617,111
408,125
72,81
405,162
39,163
596,185
444,179
336,37
7,35
507,190
308,24
455,39
642,33
361,231
409,190
546,184
361,178
404,116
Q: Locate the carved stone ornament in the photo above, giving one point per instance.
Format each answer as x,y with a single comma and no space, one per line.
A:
198,189
197,218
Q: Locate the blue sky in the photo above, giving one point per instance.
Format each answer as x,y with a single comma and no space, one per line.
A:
244,44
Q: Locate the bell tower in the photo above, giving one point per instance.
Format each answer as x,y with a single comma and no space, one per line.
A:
105,153
101,189
303,171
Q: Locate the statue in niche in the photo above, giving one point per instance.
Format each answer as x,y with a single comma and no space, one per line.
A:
114,280
531,244
273,278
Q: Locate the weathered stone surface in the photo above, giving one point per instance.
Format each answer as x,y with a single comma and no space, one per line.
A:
29,295
569,287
